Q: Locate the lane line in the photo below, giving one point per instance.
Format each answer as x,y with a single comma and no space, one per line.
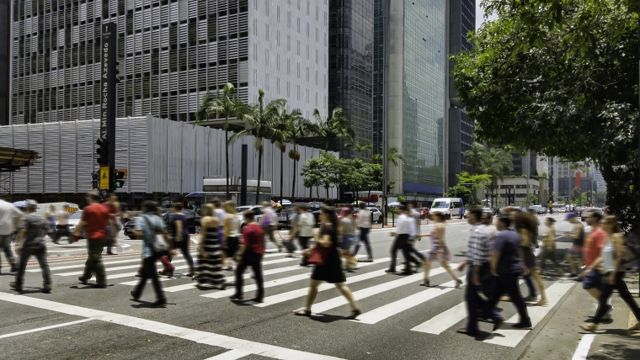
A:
44,328
156,327
230,355
374,290
386,311
582,351
512,337
118,268
281,281
441,322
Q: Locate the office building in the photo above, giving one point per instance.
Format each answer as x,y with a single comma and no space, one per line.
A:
351,64
171,53
462,20
413,97
5,62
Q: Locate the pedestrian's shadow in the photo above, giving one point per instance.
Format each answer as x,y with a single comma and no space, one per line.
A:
30,290
327,319
142,304
88,286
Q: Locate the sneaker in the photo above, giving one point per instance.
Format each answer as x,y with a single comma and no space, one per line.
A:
15,286
46,289
522,325
83,281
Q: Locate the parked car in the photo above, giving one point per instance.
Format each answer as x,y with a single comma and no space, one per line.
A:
257,210
376,215
74,220
285,216
448,207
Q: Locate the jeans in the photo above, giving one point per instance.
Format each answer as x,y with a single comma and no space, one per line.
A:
253,260
476,305
530,286
61,231
149,272
395,246
607,291
184,249
508,283
94,263
364,238
411,255
5,244
41,255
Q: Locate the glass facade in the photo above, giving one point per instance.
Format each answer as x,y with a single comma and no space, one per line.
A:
5,40
351,63
424,92
379,8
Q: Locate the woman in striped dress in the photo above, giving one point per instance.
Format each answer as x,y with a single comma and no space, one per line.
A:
210,274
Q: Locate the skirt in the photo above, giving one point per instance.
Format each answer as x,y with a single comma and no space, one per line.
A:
209,272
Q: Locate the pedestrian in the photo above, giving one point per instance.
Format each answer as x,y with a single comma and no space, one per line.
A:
31,241
250,254
9,217
478,273
527,227
304,224
548,252
62,225
611,266
346,233
148,226
219,213
574,255
415,215
363,221
116,223
269,223
439,250
94,221
231,233
592,250
506,267
50,216
327,264
210,274
179,234
405,231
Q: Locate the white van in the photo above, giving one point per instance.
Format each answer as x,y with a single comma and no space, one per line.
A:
449,207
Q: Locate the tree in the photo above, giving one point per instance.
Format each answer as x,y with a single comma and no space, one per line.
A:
324,170
493,161
334,128
258,123
312,174
282,132
228,105
561,77
299,129
475,158
468,186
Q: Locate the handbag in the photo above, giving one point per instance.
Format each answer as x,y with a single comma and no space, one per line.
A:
160,243
317,256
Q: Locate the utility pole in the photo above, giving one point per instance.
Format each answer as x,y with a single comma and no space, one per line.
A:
107,142
528,175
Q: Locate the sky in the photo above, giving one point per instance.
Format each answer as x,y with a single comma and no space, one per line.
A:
479,14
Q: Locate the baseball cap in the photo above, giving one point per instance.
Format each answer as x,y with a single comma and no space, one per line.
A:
570,216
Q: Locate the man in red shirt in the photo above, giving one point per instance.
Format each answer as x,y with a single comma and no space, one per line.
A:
95,220
250,255
591,278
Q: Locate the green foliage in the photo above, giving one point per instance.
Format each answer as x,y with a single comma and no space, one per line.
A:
560,77
334,128
468,187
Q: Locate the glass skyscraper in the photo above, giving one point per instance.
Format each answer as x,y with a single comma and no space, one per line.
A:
5,41
351,63
413,94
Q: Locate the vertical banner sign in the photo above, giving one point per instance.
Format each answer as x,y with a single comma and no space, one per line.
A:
108,94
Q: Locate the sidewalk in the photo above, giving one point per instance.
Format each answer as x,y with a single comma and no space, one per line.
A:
561,338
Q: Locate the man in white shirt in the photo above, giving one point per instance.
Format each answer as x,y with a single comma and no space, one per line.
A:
269,223
303,229
363,221
9,217
405,231
62,224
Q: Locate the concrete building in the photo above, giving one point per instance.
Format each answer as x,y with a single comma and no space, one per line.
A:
5,60
462,20
351,64
161,157
171,53
413,97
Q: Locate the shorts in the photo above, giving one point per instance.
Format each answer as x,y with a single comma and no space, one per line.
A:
575,251
593,280
347,242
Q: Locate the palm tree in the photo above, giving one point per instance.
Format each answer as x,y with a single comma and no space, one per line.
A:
228,105
498,163
299,128
258,123
335,127
281,134
474,157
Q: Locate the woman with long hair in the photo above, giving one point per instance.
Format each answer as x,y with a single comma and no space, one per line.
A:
346,232
210,274
329,266
610,265
439,250
231,233
526,226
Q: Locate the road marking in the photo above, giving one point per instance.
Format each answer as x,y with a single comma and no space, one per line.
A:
373,290
44,328
512,337
230,355
118,268
281,281
583,347
383,312
441,322
197,336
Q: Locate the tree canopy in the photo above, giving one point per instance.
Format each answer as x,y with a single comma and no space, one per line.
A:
560,77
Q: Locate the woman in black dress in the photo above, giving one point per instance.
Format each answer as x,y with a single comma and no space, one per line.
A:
331,268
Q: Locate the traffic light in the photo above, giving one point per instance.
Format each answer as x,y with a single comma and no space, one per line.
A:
94,180
120,177
103,152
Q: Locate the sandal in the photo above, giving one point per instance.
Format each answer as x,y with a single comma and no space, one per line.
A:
354,314
303,312
426,283
458,283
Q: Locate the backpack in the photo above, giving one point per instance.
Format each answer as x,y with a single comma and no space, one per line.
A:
159,242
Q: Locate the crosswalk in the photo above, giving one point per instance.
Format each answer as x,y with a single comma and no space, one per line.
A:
382,297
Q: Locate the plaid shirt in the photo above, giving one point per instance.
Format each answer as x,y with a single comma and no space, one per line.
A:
478,252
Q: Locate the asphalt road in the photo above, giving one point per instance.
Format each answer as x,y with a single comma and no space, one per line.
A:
400,320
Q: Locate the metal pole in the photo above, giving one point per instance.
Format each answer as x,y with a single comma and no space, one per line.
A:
528,176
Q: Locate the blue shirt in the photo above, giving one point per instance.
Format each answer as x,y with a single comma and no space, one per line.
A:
149,236
507,242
